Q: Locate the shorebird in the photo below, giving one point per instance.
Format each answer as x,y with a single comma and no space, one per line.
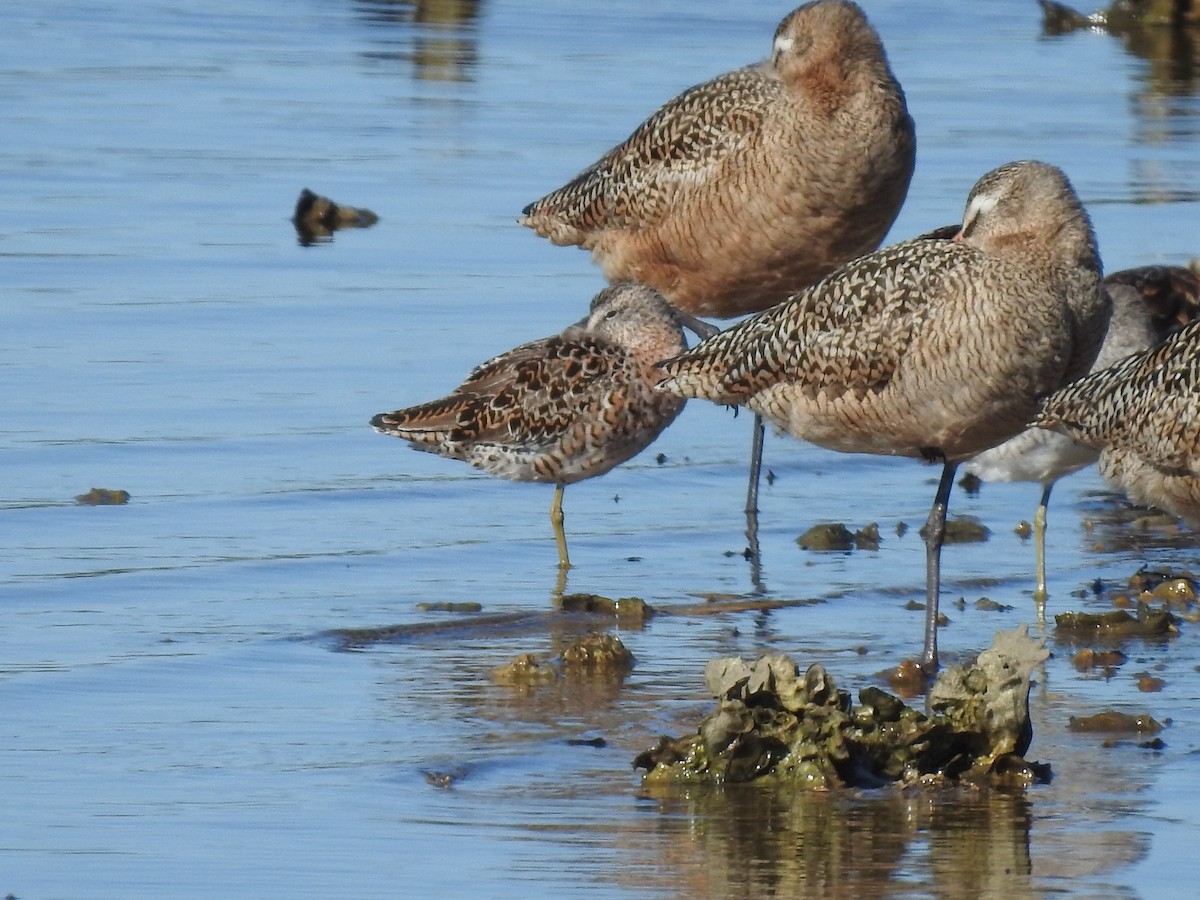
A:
562,408
934,349
753,185
1143,414
1149,303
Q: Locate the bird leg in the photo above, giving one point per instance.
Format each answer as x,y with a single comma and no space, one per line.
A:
1040,593
756,452
935,533
752,553
556,519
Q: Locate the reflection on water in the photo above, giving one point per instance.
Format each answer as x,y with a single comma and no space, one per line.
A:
1165,107
439,38
748,842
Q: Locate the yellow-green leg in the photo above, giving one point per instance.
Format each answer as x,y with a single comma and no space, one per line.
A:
556,519
1040,594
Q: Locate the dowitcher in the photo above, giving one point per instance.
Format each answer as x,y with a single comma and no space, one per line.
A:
563,408
1143,414
751,186
1149,303
934,349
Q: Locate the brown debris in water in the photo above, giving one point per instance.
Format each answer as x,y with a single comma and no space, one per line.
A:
316,218
1112,721
103,497
778,726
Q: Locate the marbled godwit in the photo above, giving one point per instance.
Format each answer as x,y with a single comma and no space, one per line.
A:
563,408
933,349
1149,303
1143,414
751,186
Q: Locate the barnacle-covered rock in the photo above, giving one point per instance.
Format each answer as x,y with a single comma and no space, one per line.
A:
779,726
597,653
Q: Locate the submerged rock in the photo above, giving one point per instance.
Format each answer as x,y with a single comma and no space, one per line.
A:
596,655
1088,658
1116,625
964,530
836,536
1113,721
776,725
465,606
526,669
832,536
627,608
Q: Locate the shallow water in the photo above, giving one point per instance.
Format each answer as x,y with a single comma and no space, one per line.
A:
176,720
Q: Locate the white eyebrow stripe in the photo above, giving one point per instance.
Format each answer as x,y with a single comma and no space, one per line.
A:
980,204
783,44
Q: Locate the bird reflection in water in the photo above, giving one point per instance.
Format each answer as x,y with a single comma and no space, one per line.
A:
438,37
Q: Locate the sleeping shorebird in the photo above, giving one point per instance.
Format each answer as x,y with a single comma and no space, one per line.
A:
1143,415
930,348
751,186
1149,303
563,408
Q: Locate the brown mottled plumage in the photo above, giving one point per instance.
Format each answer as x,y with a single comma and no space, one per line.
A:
563,408
1143,414
750,186
753,185
1149,303
928,348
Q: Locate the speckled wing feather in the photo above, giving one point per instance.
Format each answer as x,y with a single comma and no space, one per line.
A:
847,332
1146,403
526,398
631,185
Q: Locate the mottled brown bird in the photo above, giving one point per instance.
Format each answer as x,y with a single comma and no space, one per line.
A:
1149,304
1143,414
751,186
563,408
933,349
746,188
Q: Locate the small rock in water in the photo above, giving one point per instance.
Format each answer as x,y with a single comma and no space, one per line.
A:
834,536
963,530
